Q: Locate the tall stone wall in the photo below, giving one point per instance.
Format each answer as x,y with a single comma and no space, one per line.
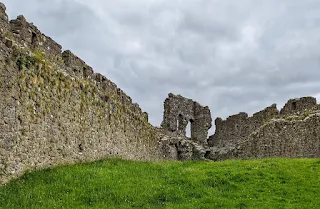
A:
54,109
179,111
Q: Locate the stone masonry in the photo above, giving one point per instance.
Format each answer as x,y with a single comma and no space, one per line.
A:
179,111
238,127
55,109
296,106
291,132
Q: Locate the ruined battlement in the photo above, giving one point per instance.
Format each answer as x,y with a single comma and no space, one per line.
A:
238,127
299,105
269,132
3,16
25,37
179,111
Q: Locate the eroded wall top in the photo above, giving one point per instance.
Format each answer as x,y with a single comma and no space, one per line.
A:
237,128
298,105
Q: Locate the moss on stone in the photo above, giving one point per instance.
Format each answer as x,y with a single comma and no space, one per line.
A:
8,35
39,56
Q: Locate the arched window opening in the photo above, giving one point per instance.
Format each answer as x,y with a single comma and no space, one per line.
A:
34,39
188,130
294,105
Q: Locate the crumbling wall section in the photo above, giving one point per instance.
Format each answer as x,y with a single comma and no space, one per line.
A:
178,147
3,17
299,105
292,132
54,109
282,138
179,111
238,127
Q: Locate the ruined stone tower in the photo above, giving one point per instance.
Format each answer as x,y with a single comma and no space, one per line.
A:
179,111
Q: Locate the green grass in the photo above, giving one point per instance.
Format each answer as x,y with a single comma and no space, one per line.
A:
270,183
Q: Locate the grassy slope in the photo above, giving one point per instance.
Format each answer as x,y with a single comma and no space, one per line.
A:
271,183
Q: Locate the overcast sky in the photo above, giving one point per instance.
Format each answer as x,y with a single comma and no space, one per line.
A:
231,55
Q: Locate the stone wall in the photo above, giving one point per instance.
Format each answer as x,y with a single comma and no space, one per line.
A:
299,105
238,127
179,111
56,110
292,132
282,138
295,134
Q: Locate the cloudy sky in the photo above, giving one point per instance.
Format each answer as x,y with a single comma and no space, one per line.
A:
232,55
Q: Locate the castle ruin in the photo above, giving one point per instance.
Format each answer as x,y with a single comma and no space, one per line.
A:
55,109
179,111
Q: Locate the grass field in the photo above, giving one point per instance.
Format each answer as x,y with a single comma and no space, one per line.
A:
114,183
